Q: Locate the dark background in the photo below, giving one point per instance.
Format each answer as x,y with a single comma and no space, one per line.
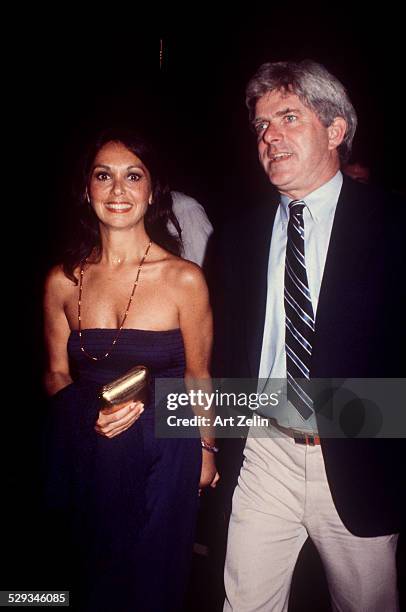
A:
62,80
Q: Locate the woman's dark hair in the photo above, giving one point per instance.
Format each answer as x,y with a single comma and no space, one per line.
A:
86,236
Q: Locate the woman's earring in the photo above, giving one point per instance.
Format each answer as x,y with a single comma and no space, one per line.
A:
87,196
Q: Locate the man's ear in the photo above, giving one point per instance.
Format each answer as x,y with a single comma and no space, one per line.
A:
336,132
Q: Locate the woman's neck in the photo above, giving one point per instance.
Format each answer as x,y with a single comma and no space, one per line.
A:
122,247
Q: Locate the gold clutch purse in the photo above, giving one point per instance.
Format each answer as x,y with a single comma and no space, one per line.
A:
131,386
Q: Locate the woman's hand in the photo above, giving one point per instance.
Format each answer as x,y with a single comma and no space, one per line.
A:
112,422
209,476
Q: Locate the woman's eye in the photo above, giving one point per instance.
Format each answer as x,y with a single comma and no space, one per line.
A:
102,176
134,177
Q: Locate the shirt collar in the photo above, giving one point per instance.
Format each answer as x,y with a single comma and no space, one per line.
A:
319,202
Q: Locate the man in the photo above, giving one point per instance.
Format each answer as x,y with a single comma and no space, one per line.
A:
357,171
312,291
195,225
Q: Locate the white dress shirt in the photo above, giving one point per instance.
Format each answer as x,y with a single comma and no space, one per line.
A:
318,216
195,225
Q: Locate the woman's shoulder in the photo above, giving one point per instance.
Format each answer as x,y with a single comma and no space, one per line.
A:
56,281
186,272
180,274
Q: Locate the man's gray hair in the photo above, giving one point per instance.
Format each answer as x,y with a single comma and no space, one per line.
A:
314,85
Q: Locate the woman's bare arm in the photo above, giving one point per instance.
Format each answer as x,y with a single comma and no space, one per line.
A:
196,324
57,375
57,331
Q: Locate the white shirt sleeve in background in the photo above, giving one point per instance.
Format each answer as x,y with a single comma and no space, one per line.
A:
195,225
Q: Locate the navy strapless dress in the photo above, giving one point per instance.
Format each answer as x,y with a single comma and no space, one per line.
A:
133,499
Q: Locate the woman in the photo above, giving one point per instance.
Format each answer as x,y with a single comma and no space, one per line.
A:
133,497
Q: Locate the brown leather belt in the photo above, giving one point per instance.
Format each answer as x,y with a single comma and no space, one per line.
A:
300,437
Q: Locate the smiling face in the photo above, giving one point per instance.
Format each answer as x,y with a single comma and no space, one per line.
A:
298,153
119,186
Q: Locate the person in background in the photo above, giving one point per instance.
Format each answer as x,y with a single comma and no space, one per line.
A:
195,227
357,171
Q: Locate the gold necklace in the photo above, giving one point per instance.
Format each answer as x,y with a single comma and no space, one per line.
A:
82,271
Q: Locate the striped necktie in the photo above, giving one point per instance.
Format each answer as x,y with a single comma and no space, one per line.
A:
299,314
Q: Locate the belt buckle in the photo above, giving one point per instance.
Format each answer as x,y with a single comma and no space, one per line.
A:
306,439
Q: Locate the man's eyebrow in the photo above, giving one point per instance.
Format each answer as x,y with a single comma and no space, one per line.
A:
280,113
286,111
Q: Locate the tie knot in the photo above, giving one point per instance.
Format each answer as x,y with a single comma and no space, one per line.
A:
296,207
